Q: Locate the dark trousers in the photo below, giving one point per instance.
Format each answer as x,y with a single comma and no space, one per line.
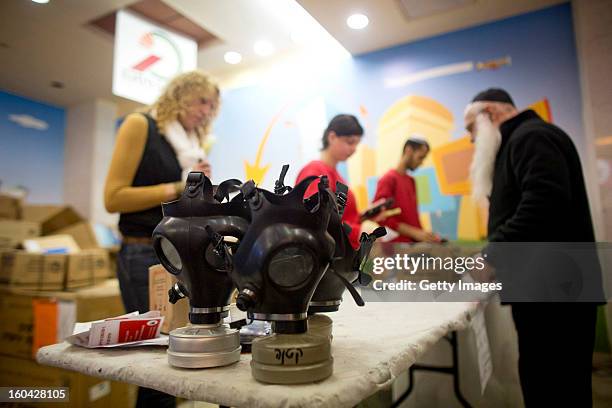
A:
555,352
133,264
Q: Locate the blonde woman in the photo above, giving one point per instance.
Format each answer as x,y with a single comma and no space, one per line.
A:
154,152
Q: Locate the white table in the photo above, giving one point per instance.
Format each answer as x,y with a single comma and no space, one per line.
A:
371,347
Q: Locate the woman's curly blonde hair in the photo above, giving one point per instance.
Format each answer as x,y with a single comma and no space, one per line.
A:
181,89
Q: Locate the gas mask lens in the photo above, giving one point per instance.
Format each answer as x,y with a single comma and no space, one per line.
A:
291,266
171,254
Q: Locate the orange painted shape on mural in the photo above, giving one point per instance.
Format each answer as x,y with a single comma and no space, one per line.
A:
542,108
452,163
603,141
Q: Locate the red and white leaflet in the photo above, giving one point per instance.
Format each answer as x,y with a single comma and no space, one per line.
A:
132,329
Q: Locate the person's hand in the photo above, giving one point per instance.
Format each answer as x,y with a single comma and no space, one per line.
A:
484,275
204,167
426,236
380,217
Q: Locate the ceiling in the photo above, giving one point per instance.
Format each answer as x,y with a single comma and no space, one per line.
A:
390,26
162,14
40,44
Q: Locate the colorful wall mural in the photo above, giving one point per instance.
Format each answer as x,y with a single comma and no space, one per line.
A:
417,88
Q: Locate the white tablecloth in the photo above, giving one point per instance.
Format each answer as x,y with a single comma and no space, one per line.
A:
372,345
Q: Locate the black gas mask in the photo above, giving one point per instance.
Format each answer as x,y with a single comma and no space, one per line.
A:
347,264
346,268
194,241
283,255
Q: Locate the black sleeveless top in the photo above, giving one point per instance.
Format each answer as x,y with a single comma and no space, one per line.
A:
158,165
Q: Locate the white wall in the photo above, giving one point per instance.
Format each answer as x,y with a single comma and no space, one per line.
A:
90,136
593,26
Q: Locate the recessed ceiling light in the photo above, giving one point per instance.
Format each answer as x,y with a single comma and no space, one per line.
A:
263,48
232,57
357,21
41,1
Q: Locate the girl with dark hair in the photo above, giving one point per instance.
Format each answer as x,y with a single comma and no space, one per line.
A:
340,140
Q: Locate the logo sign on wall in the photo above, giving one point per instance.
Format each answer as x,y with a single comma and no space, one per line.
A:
147,57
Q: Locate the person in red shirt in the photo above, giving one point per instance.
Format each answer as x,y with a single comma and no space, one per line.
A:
340,140
400,186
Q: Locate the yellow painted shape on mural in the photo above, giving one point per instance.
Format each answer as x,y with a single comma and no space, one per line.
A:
425,219
483,213
413,114
256,171
452,164
361,196
362,165
471,222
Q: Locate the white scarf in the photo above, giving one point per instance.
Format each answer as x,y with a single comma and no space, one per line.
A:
187,146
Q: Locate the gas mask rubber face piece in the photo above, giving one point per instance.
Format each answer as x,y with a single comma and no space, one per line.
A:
347,264
194,242
283,255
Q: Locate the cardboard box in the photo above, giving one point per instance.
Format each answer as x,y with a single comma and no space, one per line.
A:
86,268
83,234
32,319
33,271
14,232
26,270
10,207
52,244
85,391
51,217
176,315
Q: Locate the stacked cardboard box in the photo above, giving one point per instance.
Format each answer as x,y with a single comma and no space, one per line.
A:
51,217
175,315
44,290
86,268
19,222
25,270
85,391
13,232
32,319
61,250
10,207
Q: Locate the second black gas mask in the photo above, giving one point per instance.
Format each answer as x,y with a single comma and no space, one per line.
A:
284,254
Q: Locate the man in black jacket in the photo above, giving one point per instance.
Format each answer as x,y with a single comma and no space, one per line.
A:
529,173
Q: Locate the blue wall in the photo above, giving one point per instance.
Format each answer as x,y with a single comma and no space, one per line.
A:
32,147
